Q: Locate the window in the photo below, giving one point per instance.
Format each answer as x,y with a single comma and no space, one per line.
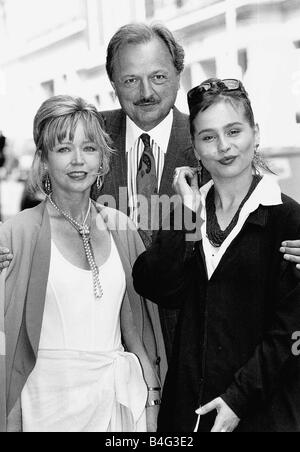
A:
166,7
243,60
97,100
149,8
35,18
158,7
209,68
48,88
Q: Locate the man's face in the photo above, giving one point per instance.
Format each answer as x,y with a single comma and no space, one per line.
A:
146,82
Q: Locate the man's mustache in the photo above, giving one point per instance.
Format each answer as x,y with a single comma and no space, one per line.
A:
148,101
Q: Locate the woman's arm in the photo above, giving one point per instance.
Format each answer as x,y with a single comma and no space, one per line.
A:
5,258
255,382
162,274
257,379
134,345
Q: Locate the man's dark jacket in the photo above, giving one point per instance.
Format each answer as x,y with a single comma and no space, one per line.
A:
179,153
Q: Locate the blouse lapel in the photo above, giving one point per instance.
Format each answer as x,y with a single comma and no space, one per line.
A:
35,300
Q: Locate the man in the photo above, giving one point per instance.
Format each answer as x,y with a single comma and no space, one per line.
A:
144,64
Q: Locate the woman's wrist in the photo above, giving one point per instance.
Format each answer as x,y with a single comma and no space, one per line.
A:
154,396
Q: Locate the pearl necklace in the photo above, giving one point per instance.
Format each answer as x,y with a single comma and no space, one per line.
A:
84,232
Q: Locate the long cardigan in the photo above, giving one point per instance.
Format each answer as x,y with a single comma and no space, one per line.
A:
22,299
234,337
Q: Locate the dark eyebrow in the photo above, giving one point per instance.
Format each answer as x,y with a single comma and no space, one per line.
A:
127,76
158,71
232,124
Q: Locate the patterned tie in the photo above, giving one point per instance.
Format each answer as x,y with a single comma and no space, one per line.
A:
146,183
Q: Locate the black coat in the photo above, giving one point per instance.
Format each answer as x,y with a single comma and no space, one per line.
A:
234,334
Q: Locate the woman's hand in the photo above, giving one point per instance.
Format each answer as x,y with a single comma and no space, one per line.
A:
5,258
151,415
226,420
186,186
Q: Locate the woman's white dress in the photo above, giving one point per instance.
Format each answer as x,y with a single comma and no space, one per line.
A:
83,380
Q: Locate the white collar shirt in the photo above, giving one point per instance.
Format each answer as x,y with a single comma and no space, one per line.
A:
160,137
267,193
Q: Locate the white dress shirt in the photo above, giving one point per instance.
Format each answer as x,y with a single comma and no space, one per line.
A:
160,137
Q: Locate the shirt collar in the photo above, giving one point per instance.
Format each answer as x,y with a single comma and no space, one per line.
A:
267,193
160,134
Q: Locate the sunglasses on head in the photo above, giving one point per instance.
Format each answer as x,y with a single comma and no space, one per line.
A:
227,84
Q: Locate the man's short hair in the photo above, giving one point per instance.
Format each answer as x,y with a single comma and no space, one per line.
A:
139,33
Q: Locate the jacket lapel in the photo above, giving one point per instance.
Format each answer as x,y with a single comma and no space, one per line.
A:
24,314
35,300
179,152
117,177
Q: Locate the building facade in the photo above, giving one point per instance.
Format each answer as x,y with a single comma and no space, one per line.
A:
53,47
59,46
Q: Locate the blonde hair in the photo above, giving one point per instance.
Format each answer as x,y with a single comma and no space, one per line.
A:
58,118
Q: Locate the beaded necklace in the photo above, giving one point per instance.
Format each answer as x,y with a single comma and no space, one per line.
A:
214,233
84,232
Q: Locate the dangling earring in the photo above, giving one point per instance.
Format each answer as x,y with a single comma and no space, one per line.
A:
258,162
99,182
47,185
200,171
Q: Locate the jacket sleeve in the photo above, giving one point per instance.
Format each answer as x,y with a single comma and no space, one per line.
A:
161,273
255,382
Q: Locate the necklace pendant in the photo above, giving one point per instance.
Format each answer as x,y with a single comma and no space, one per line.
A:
84,230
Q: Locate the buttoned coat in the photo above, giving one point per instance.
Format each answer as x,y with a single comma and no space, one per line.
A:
234,337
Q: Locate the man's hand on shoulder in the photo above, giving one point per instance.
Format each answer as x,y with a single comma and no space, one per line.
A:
5,258
291,252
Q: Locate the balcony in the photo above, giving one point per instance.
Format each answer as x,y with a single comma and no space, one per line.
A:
164,9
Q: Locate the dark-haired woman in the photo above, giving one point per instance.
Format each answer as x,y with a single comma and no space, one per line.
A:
239,300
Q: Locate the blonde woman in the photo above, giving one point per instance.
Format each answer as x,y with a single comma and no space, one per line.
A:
68,307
